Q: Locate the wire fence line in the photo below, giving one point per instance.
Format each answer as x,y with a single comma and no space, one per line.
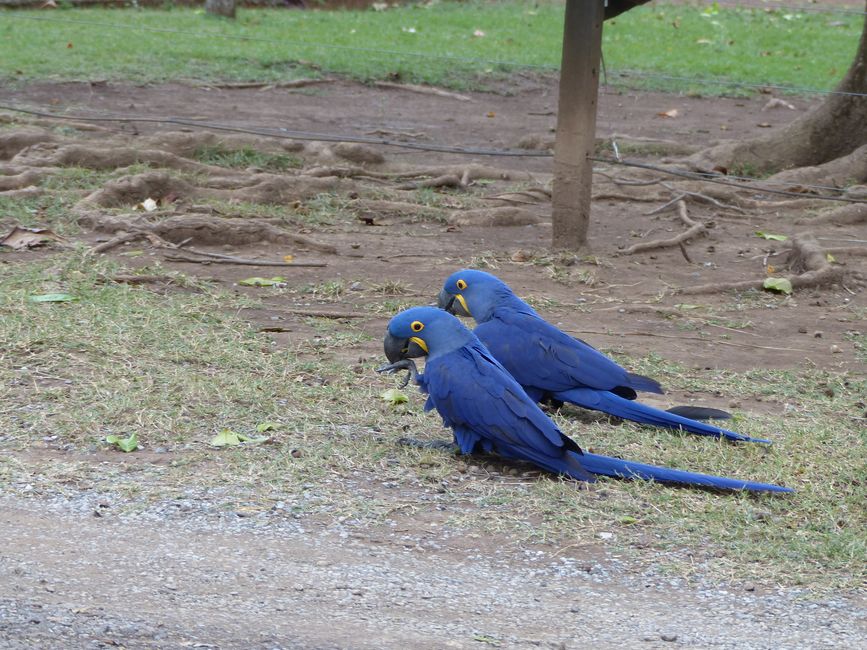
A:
688,81
779,6
759,186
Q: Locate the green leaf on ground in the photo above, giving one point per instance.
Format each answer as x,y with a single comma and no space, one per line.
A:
780,285
394,397
771,236
226,438
124,444
262,282
266,426
229,438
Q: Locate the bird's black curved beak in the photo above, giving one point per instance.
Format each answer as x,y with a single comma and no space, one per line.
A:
452,304
397,349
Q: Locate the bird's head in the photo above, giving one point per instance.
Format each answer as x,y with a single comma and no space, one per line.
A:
473,293
421,331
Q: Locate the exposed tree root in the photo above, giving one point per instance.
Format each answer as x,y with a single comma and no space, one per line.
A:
505,216
377,207
76,155
23,193
19,181
835,173
529,196
807,261
694,229
625,144
473,172
18,140
126,237
449,180
203,230
845,215
260,188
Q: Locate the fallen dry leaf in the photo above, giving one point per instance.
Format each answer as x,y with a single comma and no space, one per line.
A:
21,238
774,102
671,114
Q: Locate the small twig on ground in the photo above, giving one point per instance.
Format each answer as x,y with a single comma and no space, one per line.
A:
665,206
241,262
424,90
683,251
297,83
627,181
141,279
399,134
703,197
695,228
318,313
807,260
127,237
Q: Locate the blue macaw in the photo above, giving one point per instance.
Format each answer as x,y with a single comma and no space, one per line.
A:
551,365
489,412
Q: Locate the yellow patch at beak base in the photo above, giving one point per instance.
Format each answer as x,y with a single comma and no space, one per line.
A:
459,297
419,343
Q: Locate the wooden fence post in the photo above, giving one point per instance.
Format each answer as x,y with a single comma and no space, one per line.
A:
576,122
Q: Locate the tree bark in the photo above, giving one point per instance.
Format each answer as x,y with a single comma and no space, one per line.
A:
833,129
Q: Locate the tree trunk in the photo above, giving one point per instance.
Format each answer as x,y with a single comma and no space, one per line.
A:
833,129
225,8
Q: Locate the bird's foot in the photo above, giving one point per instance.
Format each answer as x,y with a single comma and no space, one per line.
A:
403,364
440,445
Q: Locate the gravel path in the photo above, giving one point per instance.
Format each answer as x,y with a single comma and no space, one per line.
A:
70,579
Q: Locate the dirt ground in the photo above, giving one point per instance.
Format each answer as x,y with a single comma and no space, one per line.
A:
426,590
623,292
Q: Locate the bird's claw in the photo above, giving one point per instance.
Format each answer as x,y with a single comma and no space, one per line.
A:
403,364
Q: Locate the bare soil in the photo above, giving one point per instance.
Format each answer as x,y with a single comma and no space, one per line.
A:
71,579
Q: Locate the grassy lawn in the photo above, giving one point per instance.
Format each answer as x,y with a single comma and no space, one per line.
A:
452,44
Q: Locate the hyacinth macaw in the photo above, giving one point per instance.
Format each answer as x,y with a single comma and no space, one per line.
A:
489,412
551,365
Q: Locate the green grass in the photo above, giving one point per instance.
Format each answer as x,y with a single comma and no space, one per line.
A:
247,157
749,45
176,367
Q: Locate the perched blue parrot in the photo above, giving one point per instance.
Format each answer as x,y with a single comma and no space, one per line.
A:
551,365
489,412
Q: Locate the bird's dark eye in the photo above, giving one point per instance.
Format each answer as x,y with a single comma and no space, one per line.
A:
416,326
462,285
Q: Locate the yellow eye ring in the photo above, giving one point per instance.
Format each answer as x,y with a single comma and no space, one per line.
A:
461,285
416,326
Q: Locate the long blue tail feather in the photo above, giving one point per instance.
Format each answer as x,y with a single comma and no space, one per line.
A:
606,466
612,404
